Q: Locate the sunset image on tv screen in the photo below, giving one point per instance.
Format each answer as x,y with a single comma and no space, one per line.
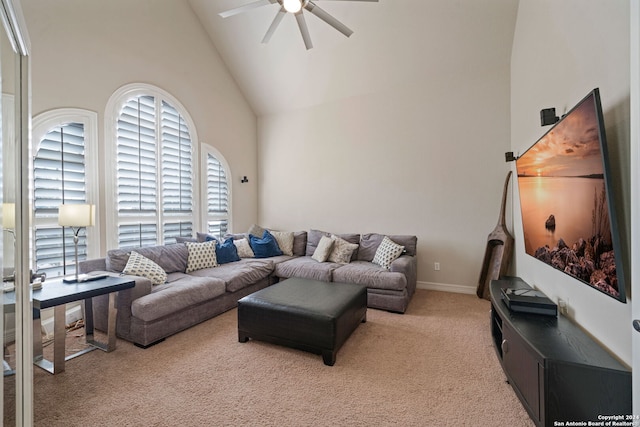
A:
565,212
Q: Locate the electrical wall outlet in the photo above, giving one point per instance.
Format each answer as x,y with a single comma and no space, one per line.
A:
436,266
563,306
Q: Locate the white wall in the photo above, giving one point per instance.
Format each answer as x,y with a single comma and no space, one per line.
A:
422,154
84,50
561,51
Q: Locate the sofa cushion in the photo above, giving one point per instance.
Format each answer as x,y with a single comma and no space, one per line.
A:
181,292
314,236
139,265
201,255
342,250
387,252
226,252
277,259
306,268
370,275
256,230
181,239
238,275
171,258
369,244
203,237
264,247
299,243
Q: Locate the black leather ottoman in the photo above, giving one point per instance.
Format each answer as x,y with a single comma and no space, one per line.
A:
305,314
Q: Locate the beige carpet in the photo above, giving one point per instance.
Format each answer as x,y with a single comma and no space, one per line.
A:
433,366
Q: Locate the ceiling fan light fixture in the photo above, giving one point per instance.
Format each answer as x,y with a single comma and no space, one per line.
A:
292,6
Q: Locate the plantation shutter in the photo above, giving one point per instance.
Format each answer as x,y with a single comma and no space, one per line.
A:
177,173
59,177
217,197
177,185
136,152
137,235
154,174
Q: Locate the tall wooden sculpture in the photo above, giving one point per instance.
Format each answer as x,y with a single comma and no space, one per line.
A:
497,256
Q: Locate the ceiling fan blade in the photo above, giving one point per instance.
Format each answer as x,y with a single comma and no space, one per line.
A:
276,21
304,30
246,7
329,19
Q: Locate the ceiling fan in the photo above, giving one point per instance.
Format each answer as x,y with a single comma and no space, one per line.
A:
294,7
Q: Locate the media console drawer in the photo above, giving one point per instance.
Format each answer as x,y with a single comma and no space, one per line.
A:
557,371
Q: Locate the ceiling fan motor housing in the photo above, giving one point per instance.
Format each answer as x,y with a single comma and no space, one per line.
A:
298,5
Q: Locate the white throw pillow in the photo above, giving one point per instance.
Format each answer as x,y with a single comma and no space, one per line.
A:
342,250
322,252
284,240
139,265
387,252
244,248
201,255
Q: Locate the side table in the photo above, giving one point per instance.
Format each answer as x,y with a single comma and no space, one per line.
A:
57,294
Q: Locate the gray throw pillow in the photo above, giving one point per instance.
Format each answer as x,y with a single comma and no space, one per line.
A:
256,230
342,250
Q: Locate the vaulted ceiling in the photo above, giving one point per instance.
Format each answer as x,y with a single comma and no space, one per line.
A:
394,42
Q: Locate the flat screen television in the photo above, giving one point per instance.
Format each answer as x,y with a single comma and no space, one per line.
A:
568,215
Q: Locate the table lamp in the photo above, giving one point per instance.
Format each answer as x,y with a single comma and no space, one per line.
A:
76,217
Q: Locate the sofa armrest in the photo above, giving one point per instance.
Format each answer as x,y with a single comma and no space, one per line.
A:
98,264
141,288
125,299
407,265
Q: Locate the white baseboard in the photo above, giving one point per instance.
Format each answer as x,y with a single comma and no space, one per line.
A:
444,287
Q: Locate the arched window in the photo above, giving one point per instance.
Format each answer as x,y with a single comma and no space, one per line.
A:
64,170
217,192
153,168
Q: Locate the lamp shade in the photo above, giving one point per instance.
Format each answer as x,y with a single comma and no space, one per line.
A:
76,215
9,216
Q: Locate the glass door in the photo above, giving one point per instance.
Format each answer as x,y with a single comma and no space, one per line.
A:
16,315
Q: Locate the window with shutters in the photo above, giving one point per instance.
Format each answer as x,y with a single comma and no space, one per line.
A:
217,194
155,168
63,156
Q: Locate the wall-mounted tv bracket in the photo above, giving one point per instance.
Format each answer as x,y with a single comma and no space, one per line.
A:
509,157
548,116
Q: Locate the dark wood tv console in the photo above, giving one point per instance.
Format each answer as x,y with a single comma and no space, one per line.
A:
558,372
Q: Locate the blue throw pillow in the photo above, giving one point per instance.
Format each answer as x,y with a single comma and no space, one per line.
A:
264,247
226,252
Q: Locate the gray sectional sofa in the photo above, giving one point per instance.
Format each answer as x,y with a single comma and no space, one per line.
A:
149,313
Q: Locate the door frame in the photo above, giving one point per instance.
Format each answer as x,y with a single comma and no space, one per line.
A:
635,195
15,26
